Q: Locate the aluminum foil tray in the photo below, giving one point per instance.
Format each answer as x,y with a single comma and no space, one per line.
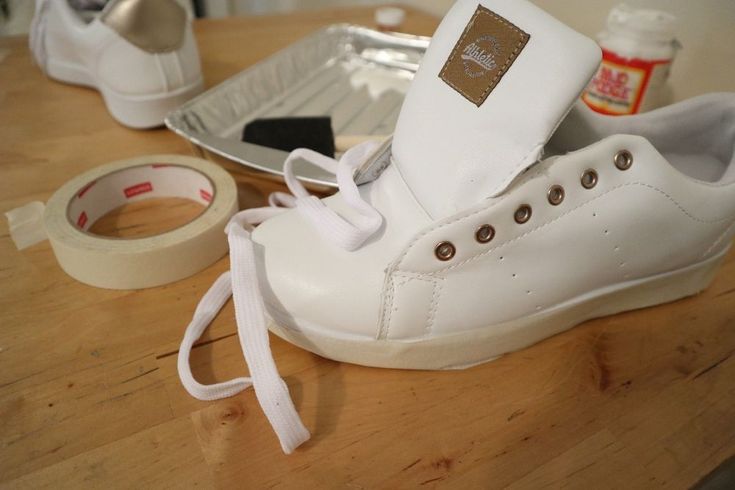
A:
356,75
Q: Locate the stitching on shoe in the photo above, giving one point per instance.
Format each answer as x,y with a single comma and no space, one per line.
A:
393,288
719,239
408,277
412,275
433,307
393,307
387,309
462,218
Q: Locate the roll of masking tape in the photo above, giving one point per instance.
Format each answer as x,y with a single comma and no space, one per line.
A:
119,263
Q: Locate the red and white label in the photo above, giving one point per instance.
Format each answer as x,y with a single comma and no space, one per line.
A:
138,189
620,84
82,219
84,190
207,196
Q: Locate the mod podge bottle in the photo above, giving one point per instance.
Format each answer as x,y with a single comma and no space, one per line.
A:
638,48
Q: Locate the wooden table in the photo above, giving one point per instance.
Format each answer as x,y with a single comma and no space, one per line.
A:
89,395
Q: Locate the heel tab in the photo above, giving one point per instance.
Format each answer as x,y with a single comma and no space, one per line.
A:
155,27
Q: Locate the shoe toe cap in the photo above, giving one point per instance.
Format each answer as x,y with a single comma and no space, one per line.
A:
309,283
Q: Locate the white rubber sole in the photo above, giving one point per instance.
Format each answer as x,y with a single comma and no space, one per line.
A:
135,111
465,349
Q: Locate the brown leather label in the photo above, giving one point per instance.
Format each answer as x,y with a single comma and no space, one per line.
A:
488,47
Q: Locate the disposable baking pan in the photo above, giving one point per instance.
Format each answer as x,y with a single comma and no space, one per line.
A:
356,75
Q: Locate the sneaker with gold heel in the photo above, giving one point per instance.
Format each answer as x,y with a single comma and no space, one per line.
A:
140,55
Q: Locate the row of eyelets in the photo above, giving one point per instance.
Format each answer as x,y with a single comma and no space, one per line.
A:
485,233
446,250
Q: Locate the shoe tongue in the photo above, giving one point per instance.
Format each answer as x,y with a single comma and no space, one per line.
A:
497,79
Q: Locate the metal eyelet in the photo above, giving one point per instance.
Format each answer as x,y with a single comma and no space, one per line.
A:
445,251
484,233
589,179
555,195
623,159
522,214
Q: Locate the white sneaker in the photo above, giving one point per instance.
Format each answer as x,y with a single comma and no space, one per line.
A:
502,219
140,55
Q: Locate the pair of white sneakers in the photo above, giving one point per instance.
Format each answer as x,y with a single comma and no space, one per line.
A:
141,55
505,212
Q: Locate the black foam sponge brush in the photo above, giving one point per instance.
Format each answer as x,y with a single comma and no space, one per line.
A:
289,133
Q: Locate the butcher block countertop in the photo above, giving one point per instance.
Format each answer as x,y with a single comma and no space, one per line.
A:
90,397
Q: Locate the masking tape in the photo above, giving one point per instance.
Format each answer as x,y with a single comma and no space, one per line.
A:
120,263
25,224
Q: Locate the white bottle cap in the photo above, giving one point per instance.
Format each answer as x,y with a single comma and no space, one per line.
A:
389,17
652,25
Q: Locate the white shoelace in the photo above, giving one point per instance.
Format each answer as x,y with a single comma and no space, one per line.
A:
241,282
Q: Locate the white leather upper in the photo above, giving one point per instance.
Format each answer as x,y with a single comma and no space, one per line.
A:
164,72
453,153
309,280
113,63
633,224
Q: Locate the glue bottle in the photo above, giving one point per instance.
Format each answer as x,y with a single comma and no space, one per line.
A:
638,48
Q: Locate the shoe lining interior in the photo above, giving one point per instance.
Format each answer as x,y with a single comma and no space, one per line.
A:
86,10
697,137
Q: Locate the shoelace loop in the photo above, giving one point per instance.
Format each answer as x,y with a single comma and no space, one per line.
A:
241,282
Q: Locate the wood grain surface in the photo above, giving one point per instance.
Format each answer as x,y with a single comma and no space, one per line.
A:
90,398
